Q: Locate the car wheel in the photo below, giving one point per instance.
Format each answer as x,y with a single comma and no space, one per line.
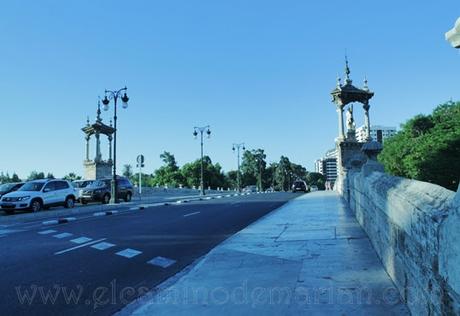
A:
36,206
128,197
106,199
69,202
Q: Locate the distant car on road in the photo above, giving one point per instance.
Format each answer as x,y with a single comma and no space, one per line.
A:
300,185
100,191
314,188
79,185
250,189
10,187
38,194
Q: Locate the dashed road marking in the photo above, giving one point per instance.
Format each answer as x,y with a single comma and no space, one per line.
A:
128,253
62,235
103,246
47,232
81,240
162,262
80,246
191,214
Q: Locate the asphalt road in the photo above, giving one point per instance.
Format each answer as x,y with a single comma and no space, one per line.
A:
99,264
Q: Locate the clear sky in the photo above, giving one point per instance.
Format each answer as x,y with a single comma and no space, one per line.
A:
257,71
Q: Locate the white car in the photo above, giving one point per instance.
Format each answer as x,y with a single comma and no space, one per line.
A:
38,194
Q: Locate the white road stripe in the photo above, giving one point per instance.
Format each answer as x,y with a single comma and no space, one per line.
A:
80,246
191,214
81,240
62,235
102,246
128,253
47,232
52,222
162,262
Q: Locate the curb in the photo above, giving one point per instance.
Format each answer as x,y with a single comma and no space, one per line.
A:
63,220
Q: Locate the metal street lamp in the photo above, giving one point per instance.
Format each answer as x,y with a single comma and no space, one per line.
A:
195,134
238,176
114,95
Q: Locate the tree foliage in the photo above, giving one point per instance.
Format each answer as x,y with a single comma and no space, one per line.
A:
427,148
168,174
35,175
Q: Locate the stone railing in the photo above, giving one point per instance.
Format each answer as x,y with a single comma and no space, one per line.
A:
415,229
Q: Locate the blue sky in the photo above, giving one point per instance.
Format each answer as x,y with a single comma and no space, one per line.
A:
258,72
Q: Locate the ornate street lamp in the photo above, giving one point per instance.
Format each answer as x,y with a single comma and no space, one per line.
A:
237,147
114,95
195,134
453,35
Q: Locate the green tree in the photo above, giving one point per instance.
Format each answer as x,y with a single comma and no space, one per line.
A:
213,174
168,174
252,168
72,177
15,178
316,178
283,174
427,148
128,171
5,178
34,175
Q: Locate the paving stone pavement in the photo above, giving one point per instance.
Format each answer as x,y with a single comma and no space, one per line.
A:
309,257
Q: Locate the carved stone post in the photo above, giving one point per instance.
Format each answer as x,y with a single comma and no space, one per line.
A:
341,127
87,147
367,123
98,147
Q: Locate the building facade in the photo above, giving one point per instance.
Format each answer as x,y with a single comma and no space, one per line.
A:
378,133
328,165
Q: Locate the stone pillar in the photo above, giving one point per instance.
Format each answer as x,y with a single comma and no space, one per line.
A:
87,147
98,148
341,127
367,123
110,148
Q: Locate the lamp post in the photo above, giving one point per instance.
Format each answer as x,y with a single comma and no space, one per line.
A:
114,95
195,134
237,147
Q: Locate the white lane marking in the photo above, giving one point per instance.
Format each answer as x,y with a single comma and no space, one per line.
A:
53,222
191,214
99,214
80,246
219,197
81,240
135,208
70,219
208,198
63,235
47,232
228,195
128,253
162,262
103,246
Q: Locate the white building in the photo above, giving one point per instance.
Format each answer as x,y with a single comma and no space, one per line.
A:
378,133
328,165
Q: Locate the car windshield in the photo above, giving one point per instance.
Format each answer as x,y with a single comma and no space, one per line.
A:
6,187
81,184
97,184
32,186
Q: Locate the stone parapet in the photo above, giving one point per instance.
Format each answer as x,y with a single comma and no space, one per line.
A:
415,229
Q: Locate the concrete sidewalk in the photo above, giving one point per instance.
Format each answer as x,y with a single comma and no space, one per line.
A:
309,257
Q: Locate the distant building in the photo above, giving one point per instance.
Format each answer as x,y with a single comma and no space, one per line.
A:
378,133
328,165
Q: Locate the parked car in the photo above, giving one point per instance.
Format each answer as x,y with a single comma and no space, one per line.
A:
38,194
300,185
101,191
10,187
79,185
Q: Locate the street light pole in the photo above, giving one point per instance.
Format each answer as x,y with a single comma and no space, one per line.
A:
238,175
195,134
114,95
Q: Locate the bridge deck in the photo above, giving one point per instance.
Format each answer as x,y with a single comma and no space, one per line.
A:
309,257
